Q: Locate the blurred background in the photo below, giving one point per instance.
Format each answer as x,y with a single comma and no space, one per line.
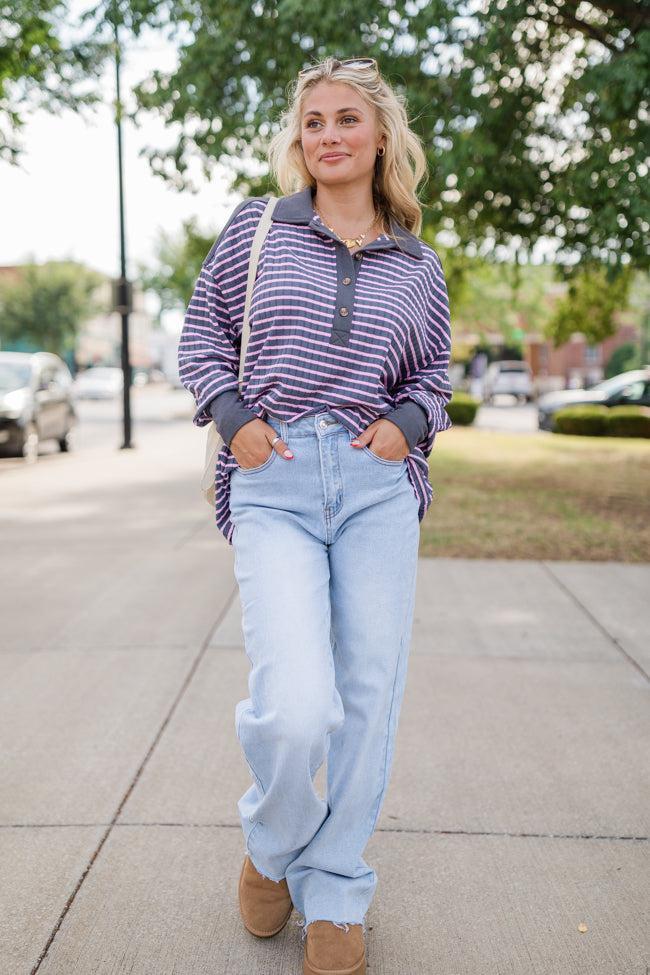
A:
535,123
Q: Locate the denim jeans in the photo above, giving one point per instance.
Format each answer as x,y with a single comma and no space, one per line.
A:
326,550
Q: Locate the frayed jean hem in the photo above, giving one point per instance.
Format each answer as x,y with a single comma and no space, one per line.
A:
261,872
345,925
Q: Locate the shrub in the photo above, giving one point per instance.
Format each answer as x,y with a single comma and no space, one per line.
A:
628,421
592,420
462,409
623,359
588,420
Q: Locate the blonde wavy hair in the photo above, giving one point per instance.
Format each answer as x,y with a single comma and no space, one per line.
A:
397,173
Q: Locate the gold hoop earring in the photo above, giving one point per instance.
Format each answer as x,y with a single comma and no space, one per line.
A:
381,150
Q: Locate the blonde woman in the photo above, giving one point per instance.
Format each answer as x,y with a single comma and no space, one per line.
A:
321,484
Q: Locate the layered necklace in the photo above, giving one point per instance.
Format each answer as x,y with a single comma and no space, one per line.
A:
350,241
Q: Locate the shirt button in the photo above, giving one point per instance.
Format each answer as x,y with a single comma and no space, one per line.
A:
358,256
343,310
346,280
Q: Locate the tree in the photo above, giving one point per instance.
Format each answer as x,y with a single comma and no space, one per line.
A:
47,303
623,359
589,305
534,116
38,68
52,58
178,260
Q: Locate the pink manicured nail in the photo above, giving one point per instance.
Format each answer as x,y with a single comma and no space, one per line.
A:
355,443
288,453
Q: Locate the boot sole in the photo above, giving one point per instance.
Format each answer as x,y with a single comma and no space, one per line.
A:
358,969
257,933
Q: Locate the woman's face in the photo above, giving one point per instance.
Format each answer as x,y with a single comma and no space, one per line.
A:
336,120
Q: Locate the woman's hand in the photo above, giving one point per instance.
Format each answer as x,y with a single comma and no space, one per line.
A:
386,438
251,443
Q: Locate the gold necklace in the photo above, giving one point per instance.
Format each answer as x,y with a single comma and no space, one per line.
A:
349,241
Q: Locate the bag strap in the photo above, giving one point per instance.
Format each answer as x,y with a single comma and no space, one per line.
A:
260,233
214,440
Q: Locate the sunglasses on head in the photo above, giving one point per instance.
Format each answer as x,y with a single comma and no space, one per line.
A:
349,62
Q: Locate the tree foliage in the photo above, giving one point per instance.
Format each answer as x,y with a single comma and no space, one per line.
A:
46,304
534,115
177,262
52,58
623,359
41,69
589,306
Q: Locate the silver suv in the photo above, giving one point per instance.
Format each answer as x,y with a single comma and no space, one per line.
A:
35,402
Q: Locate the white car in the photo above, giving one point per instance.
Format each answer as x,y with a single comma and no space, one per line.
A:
513,376
98,382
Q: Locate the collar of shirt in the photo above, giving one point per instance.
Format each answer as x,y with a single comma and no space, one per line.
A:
298,208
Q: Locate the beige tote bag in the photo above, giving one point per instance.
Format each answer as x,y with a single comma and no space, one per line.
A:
215,440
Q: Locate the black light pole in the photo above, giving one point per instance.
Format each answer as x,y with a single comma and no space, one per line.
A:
123,296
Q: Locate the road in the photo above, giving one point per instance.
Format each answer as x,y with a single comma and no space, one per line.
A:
100,421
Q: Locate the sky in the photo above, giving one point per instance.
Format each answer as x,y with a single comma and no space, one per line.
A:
62,200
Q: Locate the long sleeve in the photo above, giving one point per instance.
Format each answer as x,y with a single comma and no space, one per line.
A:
412,420
210,341
229,413
426,380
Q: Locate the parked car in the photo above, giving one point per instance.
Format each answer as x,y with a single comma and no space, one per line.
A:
628,388
35,402
99,382
513,376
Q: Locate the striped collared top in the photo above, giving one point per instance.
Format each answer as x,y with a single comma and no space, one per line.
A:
362,335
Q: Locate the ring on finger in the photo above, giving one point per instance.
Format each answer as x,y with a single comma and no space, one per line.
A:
275,440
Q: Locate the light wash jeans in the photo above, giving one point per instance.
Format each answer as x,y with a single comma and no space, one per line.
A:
326,549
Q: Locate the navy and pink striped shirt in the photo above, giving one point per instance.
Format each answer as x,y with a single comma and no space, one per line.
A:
362,335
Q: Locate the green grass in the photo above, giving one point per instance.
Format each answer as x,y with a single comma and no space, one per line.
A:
538,496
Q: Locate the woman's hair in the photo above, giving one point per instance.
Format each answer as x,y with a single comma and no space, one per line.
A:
397,173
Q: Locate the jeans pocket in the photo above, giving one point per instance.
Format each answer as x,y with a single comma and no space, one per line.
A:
376,457
383,460
260,467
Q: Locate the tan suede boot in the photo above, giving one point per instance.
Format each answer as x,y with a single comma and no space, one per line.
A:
265,906
330,950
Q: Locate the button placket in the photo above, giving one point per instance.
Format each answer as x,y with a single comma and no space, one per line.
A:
345,289
346,280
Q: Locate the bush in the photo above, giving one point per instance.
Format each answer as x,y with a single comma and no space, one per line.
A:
628,421
462,408
592,420
623,359
589,420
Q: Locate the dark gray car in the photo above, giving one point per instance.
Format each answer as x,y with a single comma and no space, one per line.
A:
35,402
627,389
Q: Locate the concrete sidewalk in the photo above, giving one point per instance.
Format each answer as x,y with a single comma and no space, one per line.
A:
519,803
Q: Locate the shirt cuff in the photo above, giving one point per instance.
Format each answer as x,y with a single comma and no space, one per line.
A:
412,420
229,413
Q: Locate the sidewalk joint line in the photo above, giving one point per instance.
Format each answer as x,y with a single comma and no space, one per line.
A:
600,626
416,831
